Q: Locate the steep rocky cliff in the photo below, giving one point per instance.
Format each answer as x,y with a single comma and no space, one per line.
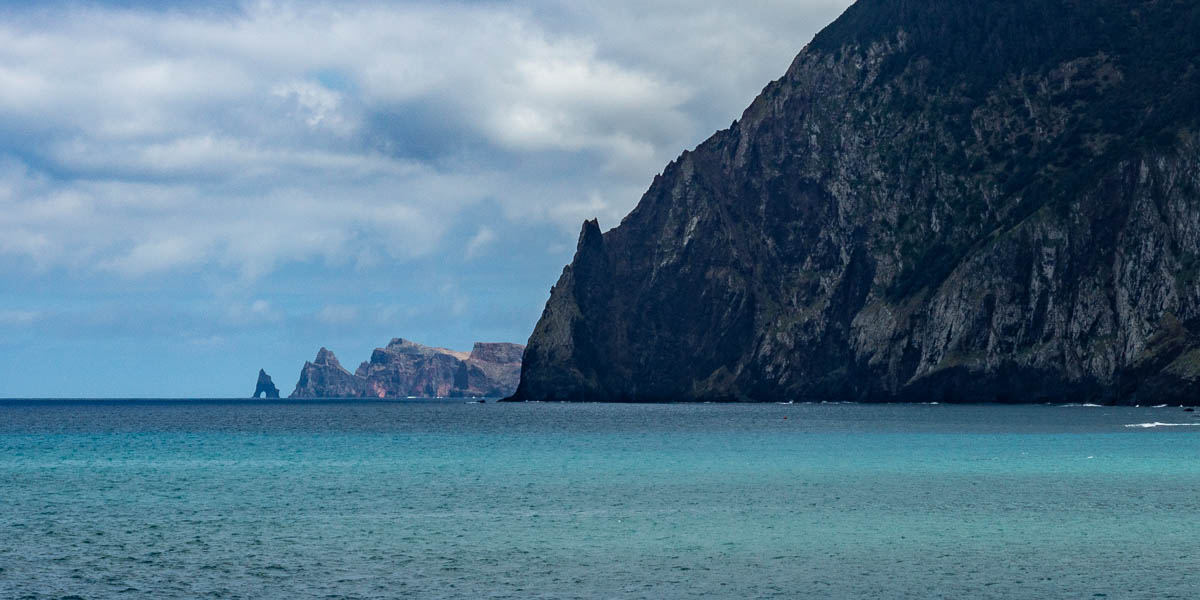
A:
996,200
325,377
404,369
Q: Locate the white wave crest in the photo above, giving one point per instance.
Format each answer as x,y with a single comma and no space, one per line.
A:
1153,425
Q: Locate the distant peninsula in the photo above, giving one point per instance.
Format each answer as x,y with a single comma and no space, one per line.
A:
940,200
405,369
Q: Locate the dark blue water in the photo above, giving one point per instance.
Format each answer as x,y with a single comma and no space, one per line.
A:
223,499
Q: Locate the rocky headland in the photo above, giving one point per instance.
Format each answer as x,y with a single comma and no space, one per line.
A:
407,369
986,201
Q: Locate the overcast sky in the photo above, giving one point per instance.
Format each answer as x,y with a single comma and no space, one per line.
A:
188,194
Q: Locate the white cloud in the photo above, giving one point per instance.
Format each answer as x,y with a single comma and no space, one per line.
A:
145,142
482,239
256,311
316,105
156,255
337,315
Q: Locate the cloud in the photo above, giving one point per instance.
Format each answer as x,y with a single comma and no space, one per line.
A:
315,105
252,313
482,238
157,254
259,178
338,315
141,142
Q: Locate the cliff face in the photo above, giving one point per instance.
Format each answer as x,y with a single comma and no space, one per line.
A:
939,201
325,377
405,369
494,368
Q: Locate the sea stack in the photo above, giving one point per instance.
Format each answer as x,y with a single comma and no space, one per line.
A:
985,201
265,386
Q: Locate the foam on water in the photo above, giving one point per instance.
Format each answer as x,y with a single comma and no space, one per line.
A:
1156,424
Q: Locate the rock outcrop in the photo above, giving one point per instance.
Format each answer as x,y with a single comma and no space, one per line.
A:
407,369
324,377
494,368
265,386
986,201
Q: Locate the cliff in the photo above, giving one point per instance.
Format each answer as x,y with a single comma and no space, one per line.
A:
325,377
939,201
407,369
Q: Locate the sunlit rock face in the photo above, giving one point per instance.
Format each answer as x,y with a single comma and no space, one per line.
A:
987,201
408,369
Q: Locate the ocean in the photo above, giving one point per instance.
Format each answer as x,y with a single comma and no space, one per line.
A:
441,499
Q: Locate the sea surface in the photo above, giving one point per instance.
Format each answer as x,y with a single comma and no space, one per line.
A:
438,499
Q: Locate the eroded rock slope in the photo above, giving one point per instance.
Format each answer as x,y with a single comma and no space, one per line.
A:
996,200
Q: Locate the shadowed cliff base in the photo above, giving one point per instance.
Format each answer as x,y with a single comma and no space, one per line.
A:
994,201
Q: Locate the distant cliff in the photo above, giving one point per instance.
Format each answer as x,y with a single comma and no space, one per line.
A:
405,369
994,200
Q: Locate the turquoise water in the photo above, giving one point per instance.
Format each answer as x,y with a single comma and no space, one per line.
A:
212,499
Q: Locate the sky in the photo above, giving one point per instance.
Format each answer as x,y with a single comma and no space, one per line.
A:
192,191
